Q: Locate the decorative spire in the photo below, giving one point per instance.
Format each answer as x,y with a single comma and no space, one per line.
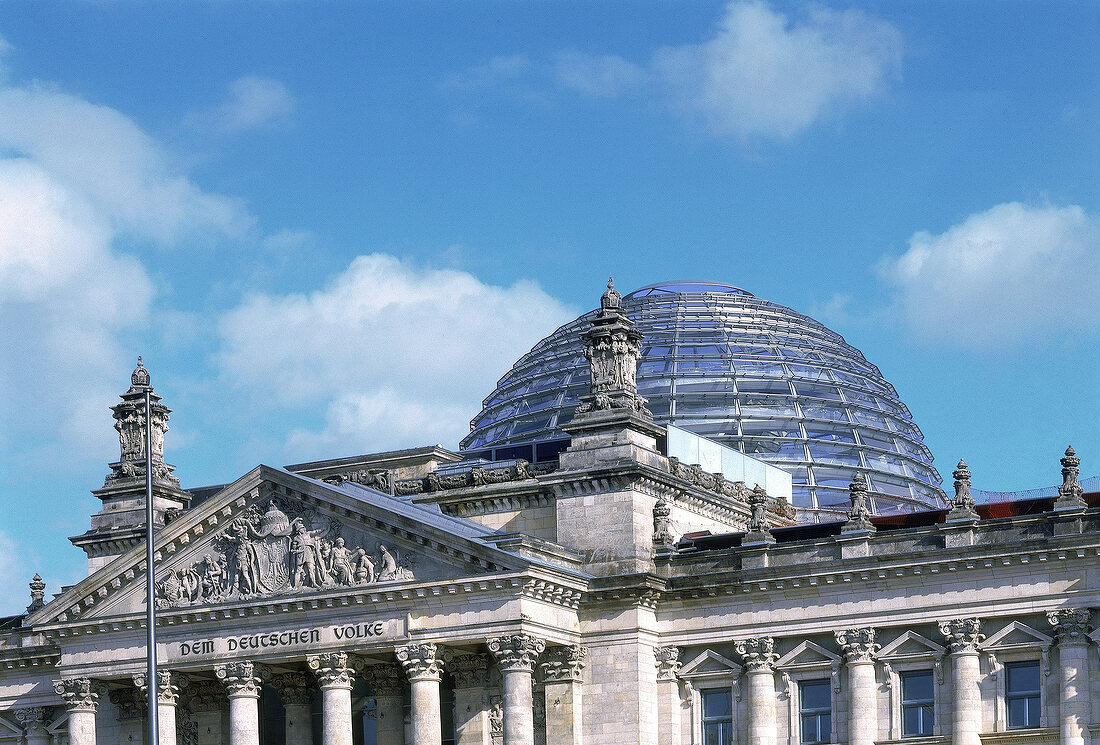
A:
612,346
1070,493
962,506
140,377
759,530
38,592
130,424
859,515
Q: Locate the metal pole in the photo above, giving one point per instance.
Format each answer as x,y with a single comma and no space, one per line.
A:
150,615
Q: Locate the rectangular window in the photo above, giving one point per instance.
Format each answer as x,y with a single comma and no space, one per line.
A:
1022,694
717,716
917,704
815,710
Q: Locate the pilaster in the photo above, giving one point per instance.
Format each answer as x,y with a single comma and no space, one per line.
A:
168,688
387,682
471,673
34,720
561,669
669,724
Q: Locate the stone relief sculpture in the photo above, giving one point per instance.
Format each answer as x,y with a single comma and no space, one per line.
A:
270,553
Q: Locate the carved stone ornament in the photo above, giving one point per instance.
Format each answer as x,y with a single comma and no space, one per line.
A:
424,661
962,634
474,476
38,593
1070,493
612,346
79,694
469,670
169,684
563,664
516,651
962,506
33,717
1071,625
858,644
859,514
208,695
385,680
668,662
242,678
663,537
759,530
380,480
130,702
270,553
759,653
332,669
130,423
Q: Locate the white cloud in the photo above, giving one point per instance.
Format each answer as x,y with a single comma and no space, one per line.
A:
1007,275
252,102
766,75
498,69
597,75
396,355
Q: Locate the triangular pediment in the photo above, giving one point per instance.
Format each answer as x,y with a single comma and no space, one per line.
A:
273,534
1016,635
709,664
808,654
910,644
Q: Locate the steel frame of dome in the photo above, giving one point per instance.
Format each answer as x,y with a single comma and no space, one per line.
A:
751,374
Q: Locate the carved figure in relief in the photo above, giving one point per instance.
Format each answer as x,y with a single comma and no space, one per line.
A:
305,555
364,567
339,563
389,565
213,578
245,569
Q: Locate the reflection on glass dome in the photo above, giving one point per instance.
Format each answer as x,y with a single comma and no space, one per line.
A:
751,374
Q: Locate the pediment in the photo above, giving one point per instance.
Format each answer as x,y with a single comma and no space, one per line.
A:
709,664
910,644
1016,635
273,534
808,654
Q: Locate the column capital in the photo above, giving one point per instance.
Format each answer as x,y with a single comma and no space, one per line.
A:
858,644
469,670
79,694
169,684
963,634
423,661
130,702
563,664
385,680
34,717
206,695
1071,625
241,678
668,662
293,687
331,669
516,651
759,653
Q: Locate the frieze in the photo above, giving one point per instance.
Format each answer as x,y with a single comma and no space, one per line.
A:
475,476
301,639
273,553
718,484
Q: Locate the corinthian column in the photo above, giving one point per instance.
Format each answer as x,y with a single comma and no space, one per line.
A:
859,652
387,682
335,678
963,636
34,721
81,697
423,665
1071,628
515,655
470,673
760,657
242,685
295,690
668,695
561,669
168,695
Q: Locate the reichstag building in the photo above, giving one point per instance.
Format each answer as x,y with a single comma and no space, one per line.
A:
689,517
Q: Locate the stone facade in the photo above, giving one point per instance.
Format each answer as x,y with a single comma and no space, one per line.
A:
616,596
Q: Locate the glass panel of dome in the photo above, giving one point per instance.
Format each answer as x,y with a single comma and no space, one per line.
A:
702,366
830,434
715,407
530,424
822,452
831,477
654,367
780,449
872,418
876,439
704,385
817,411
771,428
654,386
816,390
810,372
763,386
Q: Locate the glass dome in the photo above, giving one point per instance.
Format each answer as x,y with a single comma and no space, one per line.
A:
751,374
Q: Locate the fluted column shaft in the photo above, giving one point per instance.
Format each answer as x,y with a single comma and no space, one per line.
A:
81,699
294,688
515,655
335,679
423,665
242,686
1074,707
760,657
387,682
963,635
859,651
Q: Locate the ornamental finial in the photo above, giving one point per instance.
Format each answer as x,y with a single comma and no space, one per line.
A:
38,592
962,506
859,514
140,376
1070,493
611,299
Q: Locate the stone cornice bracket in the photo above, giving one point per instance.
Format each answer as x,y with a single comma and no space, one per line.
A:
962,506
33,717
79,694
516,651
469,670
1071,625
859,514
668,662
331,669
963,634
423,661
208,695
385,680
759,653
858,644
1070,493
169,684
563,664
242,678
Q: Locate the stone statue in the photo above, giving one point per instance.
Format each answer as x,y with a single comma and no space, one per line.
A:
339,564
305,556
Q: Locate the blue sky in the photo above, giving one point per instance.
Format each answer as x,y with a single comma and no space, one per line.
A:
329,228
